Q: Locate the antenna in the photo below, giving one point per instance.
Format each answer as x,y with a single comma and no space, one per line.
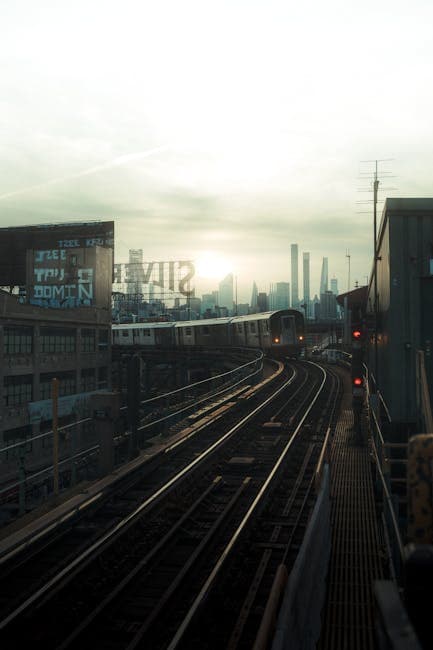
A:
348,274
375,187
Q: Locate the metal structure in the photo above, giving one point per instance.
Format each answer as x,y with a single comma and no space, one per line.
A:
147,289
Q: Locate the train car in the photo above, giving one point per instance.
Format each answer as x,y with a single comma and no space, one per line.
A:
144,334
210,332
279,333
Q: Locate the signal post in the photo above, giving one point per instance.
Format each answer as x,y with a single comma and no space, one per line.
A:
358,376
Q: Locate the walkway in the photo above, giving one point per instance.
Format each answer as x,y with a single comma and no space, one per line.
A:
356,556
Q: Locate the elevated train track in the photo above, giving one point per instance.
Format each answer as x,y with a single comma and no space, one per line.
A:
167,539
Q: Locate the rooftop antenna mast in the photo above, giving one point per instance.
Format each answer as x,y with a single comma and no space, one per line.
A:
375,187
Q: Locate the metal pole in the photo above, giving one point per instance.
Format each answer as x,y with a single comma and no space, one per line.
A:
375,189
55,398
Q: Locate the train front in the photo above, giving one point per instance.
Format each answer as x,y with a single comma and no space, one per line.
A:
287,333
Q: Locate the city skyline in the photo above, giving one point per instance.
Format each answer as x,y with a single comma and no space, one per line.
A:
191,147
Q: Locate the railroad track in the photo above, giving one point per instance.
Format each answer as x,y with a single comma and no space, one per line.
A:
140,567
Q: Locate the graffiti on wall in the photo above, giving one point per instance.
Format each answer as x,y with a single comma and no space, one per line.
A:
60,281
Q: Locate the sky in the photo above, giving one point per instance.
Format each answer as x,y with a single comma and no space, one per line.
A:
222,130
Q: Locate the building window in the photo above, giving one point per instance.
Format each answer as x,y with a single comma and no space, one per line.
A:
88,380
57,340
14,436
88,341
18,340
67,384
103,340
18,390
102,377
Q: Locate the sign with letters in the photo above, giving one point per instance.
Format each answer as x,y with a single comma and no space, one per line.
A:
173,276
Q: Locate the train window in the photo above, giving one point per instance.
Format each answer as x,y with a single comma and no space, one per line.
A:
240,328
252,327
187,331
136,332
205,330
125,333
146,332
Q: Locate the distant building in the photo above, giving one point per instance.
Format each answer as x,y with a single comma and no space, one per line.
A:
334,286
306,278
194,305
243,309
281,295
315,307
324,277
254,295
262,302
209,302
328,306
294,269
225,294
135,270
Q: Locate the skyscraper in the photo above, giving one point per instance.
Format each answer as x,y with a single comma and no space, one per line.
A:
135,271
324,277
334,286
254,295
281,296
306,278
294,265
226,293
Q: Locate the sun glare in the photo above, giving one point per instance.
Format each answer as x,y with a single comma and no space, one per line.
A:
212,266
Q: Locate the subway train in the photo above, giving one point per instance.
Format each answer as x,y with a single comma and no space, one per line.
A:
279,333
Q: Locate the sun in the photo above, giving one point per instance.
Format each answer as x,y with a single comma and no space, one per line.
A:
212,265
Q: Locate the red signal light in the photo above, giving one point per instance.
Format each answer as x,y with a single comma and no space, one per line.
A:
358,381
356,334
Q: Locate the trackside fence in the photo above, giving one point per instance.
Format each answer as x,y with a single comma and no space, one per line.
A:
298,625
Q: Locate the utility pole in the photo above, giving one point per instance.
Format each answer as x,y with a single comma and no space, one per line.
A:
55,407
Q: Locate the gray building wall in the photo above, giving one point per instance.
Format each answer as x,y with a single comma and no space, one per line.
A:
404,282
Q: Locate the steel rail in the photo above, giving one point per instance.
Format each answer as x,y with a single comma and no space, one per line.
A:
86,556
220,562
197,402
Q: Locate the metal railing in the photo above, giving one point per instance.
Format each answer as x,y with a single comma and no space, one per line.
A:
383,486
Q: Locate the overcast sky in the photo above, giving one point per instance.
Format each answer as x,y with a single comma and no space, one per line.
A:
230,126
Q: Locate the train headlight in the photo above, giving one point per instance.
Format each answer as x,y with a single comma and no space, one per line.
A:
276,339
301,338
